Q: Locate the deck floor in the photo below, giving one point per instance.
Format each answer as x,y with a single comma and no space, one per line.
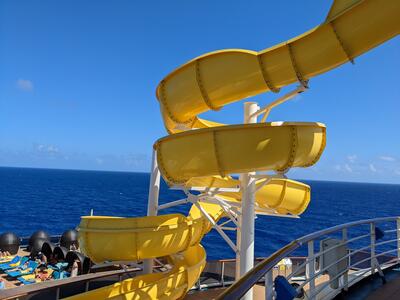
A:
388,291
258,294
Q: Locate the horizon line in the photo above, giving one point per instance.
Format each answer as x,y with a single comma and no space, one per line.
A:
143,172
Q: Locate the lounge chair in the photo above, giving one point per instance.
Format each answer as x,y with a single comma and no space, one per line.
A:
27,279
29,269
34,278
6,259
12,261
12,265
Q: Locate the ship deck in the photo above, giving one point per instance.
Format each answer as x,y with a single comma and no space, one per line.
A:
9,282
370,287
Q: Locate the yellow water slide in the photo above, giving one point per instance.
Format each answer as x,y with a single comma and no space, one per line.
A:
215,151
173,236
218,78
205,157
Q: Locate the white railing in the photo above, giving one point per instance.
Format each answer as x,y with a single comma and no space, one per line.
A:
358,249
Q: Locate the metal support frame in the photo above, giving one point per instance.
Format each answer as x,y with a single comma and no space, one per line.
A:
152,204
240,214
217,227
267,109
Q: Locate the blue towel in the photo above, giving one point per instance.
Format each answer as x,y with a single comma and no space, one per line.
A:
61,275
59,266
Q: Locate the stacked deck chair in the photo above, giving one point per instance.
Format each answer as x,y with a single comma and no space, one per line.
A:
31,278
14,260
27,279
24,270
6,259
17,261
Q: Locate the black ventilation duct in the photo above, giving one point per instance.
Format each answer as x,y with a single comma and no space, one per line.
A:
10,242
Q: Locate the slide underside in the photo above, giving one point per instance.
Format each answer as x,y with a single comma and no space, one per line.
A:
207,156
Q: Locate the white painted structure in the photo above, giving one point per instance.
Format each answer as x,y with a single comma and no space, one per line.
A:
242,215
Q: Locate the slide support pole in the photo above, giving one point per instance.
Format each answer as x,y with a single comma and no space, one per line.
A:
246,233
152,203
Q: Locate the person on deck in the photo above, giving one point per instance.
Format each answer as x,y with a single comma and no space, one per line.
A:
74,268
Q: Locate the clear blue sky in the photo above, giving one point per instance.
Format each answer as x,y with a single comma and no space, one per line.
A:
78,79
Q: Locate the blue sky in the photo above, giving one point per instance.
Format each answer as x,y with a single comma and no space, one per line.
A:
78,79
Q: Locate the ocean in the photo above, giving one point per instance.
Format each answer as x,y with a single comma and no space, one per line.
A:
54,200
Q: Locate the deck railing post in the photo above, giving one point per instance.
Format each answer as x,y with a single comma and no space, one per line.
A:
310,269
372,230
223,273
346,274
152,204
269,285
87,285
398,238
57,293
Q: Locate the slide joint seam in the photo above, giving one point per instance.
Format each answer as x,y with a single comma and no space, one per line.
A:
266,77
344,48
299,76
163,100
202,89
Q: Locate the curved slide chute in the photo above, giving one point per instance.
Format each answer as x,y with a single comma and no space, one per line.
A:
216,79
263,146
206,156
174,236
105,238
173,284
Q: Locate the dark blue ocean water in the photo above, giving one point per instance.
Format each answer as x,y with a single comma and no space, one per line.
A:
54,200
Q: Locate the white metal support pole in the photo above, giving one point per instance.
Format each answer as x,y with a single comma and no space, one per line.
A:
246,235
152,204
346,274
269,286
310,269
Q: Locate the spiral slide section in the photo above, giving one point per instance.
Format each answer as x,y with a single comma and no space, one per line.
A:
173,236
213,80
208,155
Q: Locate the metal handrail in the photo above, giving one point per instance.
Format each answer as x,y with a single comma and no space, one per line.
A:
244,284
314,235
